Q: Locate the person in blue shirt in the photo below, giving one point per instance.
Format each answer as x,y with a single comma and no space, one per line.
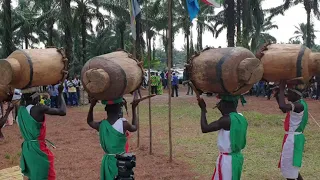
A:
260,89
175,84
54,92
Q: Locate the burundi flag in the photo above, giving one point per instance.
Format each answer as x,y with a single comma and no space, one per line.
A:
215,3
134,9
193,8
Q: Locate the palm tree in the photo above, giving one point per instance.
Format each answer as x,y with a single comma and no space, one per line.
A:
182,21
301,33
49,11
67,24
249,15
7,43
24,24
258,39
120,9
309,5
239,12
230,15
253,19
150,21
84,14
204,22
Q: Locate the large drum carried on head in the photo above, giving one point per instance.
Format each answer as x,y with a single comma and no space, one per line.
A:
112,75
231,70
33,67
288,61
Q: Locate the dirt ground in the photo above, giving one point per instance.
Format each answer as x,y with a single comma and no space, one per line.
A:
78,154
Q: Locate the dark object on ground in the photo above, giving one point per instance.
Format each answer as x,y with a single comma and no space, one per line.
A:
125,162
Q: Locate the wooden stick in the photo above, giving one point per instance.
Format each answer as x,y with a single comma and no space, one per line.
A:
149,83
144,98
169,73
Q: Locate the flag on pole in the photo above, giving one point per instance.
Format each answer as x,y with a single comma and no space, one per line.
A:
215,3
193,8
134,9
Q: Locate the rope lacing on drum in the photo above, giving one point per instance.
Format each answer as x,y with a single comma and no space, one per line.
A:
64,72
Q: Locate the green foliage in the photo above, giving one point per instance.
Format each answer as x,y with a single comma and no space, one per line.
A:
300,34
69,24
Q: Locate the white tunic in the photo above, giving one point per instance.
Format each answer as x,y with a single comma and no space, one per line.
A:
224,146
286,162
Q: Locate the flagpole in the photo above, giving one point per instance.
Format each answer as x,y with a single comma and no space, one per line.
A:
169,73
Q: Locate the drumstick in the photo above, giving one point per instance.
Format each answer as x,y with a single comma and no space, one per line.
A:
298,80
195,90
144,98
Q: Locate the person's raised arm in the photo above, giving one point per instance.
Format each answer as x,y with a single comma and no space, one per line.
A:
4,117
90,120
214,126
62,110
281,98
133,127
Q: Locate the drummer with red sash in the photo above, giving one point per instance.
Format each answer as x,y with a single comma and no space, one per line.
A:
294,125
37,161
232,127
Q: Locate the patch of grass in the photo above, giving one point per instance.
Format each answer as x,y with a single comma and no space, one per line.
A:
264,140
7,156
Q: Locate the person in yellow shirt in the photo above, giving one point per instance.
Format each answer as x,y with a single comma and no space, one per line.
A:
72,90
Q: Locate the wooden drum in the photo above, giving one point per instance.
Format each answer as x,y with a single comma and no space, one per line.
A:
112,75
33,67
231,70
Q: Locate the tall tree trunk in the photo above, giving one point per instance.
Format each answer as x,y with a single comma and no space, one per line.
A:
67,20
154,48
191,51
200,31
149,50
84,38
6,22
188,47
246,23
26,42
238,22
165,43
138,36
122,40
50,32
307,6
230,19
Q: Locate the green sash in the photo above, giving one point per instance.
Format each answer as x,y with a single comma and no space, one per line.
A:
238,133
112,142
33,163
299,139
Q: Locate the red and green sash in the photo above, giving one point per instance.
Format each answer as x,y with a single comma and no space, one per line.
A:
34,163
112,142
299,139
